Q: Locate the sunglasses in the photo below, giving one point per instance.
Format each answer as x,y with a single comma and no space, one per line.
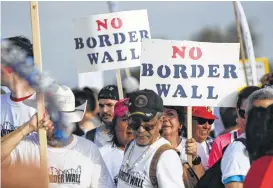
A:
242,113
134,124
202,121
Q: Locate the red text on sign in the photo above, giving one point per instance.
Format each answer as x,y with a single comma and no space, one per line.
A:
193,53
115,23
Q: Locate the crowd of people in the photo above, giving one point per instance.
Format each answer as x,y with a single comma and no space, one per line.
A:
136,141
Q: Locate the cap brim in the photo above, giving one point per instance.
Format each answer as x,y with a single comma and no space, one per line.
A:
67,117
145,115
75,116
207,116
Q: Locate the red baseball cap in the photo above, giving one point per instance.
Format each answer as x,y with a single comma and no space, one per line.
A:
203,112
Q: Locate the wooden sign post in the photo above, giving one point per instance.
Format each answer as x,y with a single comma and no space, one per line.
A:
189,130
40,98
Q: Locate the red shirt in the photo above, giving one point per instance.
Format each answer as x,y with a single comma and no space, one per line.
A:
219,144
260,174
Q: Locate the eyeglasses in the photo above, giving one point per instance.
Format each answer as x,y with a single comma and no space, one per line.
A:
170,114
134,124
242,113
202,121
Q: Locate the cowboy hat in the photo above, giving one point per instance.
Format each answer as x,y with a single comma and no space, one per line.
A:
64,101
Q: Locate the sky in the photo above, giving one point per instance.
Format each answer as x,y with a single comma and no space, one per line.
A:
174,20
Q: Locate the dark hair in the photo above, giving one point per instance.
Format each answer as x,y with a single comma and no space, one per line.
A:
22,42
80,98
228,116
180,111
244,93
78,131
267,79
85,95
112,133
259,131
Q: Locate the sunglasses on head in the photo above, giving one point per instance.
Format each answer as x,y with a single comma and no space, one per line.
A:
242,113
134,124
202,121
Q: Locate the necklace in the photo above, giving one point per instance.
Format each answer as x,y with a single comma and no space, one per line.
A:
127,164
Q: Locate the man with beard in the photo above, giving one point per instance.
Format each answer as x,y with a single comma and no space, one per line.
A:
145,119
108,96
72,161
14,112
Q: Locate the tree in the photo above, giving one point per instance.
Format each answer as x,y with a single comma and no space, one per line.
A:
228,35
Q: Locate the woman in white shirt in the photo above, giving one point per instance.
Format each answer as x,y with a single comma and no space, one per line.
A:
173,119
113,152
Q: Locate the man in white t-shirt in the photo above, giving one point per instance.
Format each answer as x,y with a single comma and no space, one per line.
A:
108,96
72,161
235,162
13,112
145,110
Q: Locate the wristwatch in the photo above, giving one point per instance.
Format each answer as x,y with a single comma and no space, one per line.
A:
196,160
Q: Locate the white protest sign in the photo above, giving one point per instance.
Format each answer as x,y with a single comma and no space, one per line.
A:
110,41
187,73
262,67
91,79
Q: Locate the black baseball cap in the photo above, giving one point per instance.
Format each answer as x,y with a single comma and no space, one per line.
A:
109,92
145,103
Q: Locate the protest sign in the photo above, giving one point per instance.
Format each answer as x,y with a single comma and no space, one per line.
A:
187,73
262,67
110,41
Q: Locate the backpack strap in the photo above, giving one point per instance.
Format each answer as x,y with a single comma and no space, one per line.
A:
234,136
90,135
242,140
155,159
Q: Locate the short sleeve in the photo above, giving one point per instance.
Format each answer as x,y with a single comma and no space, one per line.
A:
169,170
101,177
235,163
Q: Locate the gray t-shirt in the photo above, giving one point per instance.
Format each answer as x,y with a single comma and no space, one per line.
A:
101,137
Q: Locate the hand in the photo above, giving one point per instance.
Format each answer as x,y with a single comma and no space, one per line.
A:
191,147
44,123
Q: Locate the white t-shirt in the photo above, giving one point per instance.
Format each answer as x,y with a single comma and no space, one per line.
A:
203,153
169,168
112,157
78,165
101,138
182,149
14,114
235,162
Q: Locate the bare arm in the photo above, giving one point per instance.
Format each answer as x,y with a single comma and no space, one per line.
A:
10,141
234,185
